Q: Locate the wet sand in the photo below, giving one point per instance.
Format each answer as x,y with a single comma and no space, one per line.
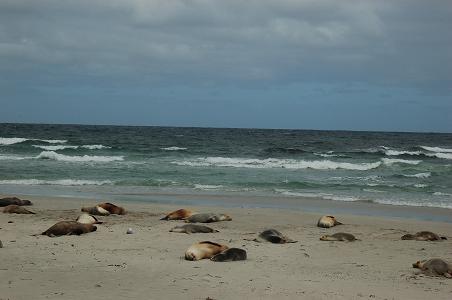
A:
149,264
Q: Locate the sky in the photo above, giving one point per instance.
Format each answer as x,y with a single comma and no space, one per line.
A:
307,64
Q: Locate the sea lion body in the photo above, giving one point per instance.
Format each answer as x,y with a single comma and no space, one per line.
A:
95,210
435,267
273,236
231,254
192,228
16,209
113,209
69,228
180,214
88,219
15,201
423,236
340,236
207,218
203,250
327,222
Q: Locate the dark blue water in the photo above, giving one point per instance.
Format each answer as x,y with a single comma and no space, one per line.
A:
392,168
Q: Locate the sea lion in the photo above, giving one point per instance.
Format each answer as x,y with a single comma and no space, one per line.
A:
16,209
424,236
231,254
340,236
14,200
96,210
179,214
113,209
434,267
204,249
88,219
69,228
273,236
192,228
207,218
327,222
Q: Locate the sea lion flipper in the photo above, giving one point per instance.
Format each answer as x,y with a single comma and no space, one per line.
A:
165,218
444,238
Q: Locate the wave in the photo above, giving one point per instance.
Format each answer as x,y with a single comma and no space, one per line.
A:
391,161
67,182
412,203
12,141
12,157
276,163
95,147
419,175
173,148
442,194
329,154
85,158
318,195
398,153
441,155
288,150
436,149
62,147
207,187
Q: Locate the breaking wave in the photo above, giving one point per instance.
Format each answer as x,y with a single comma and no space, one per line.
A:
173,148
62,147
391,161
420,175
67,182
436,149
12,141
85,158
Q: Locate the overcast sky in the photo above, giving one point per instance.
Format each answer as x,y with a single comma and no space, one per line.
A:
354,65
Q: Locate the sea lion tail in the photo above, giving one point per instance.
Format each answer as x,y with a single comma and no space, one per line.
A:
165,218
444,238
216,230
338,223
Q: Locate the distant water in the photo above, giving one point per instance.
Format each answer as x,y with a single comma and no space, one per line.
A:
412,169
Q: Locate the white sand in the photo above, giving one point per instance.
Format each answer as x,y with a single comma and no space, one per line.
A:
149,264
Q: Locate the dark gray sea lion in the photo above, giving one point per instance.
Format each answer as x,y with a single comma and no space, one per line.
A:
112,208
88,219
203,250
69,228
16,209
14,200
340,236
207,218
95,210
328,221
1,245
273,236
180,214
231,254
434,267
192,228
424,236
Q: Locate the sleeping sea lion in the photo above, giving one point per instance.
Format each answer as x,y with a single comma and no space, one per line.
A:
69,228
424,236
96,210
192,228
179,214
273,236
16,209
207,218
88,219
204,249
113,209
14,200
327,222
434,267
231,254
340,236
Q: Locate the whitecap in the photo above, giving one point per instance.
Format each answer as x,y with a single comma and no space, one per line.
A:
436,149
420,175
442,194
325,196
397,153
55,147
11,141
207,187
174,148
391,161
66,182
276,163
13,157
440,155
420,185
85,158
95,147
412,203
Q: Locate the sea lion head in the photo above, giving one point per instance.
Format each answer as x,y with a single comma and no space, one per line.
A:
408,237
324,237
417,264
224,217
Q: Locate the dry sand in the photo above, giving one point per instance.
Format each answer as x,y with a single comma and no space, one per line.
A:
149,264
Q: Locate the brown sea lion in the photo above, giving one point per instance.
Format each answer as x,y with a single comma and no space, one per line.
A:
340,236
231,254
193,228
434,267
113,209
180,214
204,249
96,210
14,200
424,236
207,218
88,219
69,228
327,222
273,236
16,209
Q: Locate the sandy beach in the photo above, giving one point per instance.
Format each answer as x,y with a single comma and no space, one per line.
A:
149,264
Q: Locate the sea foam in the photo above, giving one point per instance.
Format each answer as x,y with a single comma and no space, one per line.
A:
85,158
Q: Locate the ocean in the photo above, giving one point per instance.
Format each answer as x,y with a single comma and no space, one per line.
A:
413,169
